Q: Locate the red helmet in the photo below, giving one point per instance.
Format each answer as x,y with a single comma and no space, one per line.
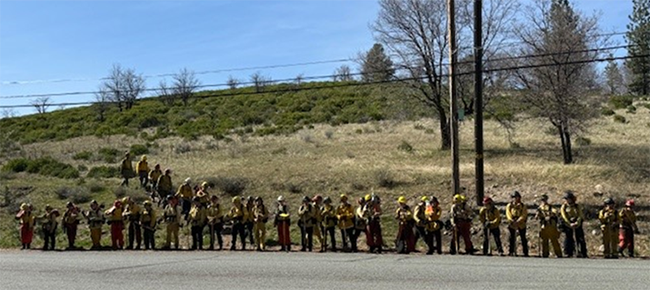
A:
487,199
629,202
318,197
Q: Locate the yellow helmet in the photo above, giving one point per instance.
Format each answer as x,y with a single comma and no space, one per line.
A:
401,199
143,158
236,200
368,197
424,198
458,198
126,200
344,197
146,203
24,206
204,185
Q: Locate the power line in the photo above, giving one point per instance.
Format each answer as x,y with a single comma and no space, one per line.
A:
339,85
326,76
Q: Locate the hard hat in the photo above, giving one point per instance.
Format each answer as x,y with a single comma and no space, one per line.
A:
368,197
629,202
48,207
69,204
543,197
259,198
515,194
157,166
126,200
344,197
93,202
146,203
127,154
434,199
170,197
204,184
401,199
327,200
187,180
608,200
24,206
250,198
143,158
236,199
168,171
487,199
424,198
361,200
280,198
458,198
317,197
305,199
569,195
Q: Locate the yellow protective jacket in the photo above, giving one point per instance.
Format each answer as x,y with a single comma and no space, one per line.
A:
155,174
132,212
517,215
165,184
197,217
318,214
345,215
126,168
185,191
404,214
460,212
238,213
608,218
26,218
433,214
95,219
148,218
142,166
260,214
491,217
361,215
282,214
328,215
171,215
628,219
71,216
214,214
572,214
114,214
306,216
48,222
249,208
419,215
547,216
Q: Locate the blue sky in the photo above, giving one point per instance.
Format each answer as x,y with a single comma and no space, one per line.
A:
45,41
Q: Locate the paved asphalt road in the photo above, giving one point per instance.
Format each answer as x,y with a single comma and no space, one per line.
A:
249,270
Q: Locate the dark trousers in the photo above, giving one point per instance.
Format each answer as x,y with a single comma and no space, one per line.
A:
306,238
149,242
496,235
238,229
420,232
144,178
462,230
330,232
215,230
197,237
570,242
135,233
375,240
249,232
513,241
437,237
49,239
186,204
357,234
71,232
347,235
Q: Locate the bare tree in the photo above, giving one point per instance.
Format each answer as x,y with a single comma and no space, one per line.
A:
8,113
259,81
102,101
232,82
415,32
166,93
41,104
299,79
343,74
185,83
557,87
124,86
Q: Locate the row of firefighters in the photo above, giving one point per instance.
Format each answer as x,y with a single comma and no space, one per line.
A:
318,217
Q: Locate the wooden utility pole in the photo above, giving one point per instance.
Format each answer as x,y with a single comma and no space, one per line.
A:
453,110
478,100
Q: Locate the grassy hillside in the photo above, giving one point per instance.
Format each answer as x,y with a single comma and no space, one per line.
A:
388,157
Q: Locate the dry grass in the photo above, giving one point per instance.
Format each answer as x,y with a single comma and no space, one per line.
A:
346,159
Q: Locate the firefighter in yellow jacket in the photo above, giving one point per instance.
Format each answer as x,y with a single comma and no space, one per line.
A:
126,169
420,221
27,220
434,225
185,193
490,218
154,175
345,216
132,213
148,221
238,214
461,220
609,226
196,220
627,229
549,232
48,225
172,218
572,218
260,216
306,224
96,219
517,215
319,230
215,222
405,240
142,167
328,213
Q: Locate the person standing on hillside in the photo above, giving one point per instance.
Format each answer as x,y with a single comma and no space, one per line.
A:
345,216
306,224
572,218
361,220
96,219
215,222
116,222
405,240
69,223
126,169
26,218
517,215
420,219
318,222
164,185
132,214
627,229
375,240
434,225
282,222
153,178
172,218
490,218
196,220
143,171
48,227
549,232
186,193
238,214
329,219
148,222
249,223
461,220
260,217
609,226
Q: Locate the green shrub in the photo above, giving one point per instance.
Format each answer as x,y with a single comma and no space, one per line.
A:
405,146
419,126
95,187
103,172
139,149
82,168
47,166
76,195
16,165
384,178
631,109
620,119
108,155
606,111
232,186
583,141
83,155
621,102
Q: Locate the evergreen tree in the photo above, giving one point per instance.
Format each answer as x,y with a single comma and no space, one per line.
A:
376,66
638,37
614,78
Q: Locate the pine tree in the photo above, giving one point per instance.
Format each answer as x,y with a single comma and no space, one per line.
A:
376,66
614,78
638,37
